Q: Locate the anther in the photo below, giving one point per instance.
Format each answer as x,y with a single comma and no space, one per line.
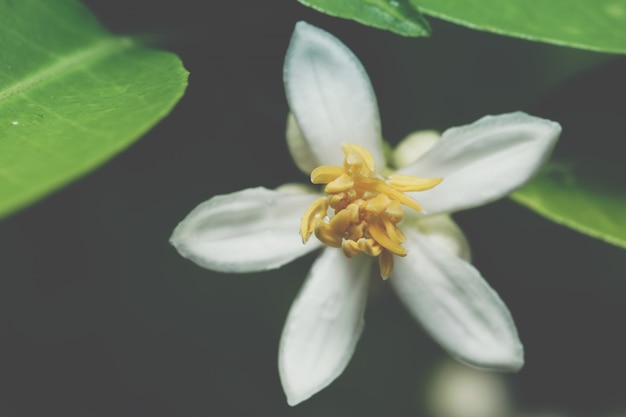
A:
406,183
361,210
312,216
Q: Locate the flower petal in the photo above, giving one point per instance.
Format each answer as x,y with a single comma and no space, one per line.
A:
323,325
484,161
413,147
442,231
454,303
330,95
298,147
251,230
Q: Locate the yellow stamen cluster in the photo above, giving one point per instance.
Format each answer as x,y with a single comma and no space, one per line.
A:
361,210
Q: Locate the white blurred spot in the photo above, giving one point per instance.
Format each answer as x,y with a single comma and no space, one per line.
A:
460,391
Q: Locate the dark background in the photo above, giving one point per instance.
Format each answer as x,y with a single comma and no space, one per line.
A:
99,316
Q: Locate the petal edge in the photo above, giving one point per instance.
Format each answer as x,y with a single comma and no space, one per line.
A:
330,95
255,229
484,161
324,324
454,303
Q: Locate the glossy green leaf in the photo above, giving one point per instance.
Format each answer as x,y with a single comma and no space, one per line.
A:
71,95
598,25
590,198
397,16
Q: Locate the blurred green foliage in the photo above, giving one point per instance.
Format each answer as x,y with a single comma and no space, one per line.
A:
71,95
397,16
586,196
598,25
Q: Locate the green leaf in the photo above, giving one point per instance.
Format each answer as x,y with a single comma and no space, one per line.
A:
397,16
589,198
71,95
598,25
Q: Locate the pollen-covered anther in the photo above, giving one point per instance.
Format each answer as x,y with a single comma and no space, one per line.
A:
361,211
385,264
312,216
356,231
325,233
380,235
393,211
362,245
339,184
342,219
326,174
350,248
406,183
369,246
358,160
378,204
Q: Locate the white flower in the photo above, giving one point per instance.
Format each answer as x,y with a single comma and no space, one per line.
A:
335,123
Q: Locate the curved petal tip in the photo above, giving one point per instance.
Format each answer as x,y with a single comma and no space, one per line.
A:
323,325
330,95
484,161
454,303
246,231
507,356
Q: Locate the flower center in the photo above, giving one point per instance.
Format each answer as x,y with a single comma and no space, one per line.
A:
361,211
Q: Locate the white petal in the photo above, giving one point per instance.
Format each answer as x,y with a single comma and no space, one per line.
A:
330,95
484,161
323,325
413,146
300,151
297,188
450,298
441,231
251,230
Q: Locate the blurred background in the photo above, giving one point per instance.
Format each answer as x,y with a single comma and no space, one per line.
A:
99,315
